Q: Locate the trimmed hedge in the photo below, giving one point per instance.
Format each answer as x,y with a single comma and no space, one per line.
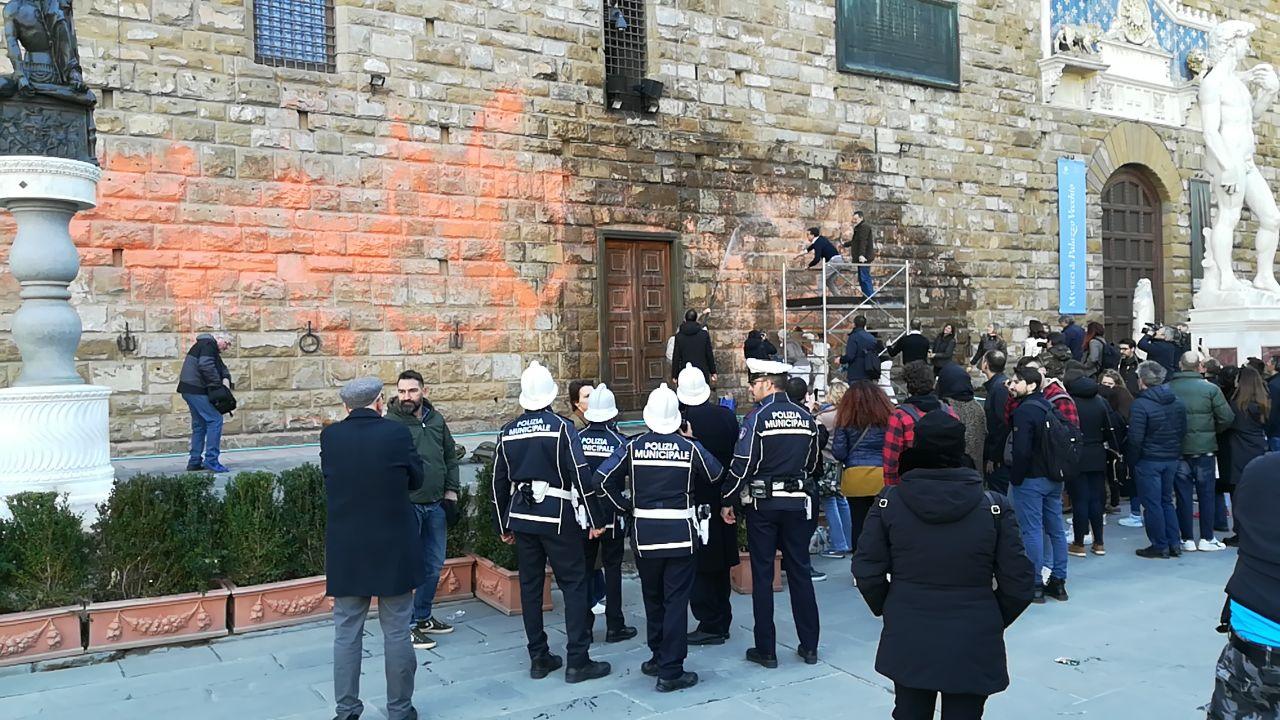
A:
485,540
156,535
254,544
44,554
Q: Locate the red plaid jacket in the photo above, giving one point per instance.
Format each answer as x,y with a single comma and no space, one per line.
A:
902,435
1056,394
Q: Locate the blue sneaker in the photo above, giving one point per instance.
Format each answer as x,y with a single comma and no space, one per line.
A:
216,467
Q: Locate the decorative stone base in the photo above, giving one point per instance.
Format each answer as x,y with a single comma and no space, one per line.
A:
157,621
54,437
1235,334
40,635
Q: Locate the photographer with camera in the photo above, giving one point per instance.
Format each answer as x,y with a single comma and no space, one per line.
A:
756,346
1161,346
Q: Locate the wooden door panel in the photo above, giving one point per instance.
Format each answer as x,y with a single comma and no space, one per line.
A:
1131,248
638,317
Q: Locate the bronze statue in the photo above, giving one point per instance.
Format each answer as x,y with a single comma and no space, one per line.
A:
44,29
45,106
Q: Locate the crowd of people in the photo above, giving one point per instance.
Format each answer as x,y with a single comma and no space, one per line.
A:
953,486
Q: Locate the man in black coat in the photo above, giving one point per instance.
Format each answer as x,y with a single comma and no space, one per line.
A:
926,561
371,548
913,346
716,427
693,346
1073,336
863,251
997,473
1161,348
861,359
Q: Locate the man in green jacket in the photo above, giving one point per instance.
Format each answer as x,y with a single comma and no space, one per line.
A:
1207,415
435,503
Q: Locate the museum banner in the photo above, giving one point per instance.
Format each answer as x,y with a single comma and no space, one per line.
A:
1071,241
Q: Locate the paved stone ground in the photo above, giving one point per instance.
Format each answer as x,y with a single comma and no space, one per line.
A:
1142,631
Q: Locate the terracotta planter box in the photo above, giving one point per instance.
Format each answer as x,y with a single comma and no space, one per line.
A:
270,605
40,635
500,588
740,574
457,579
157,621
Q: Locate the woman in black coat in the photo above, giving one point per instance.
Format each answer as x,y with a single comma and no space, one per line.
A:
943,349
1247,437
943,540
1088,487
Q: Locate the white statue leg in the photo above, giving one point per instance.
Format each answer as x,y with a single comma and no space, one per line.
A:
1221,239
1263,205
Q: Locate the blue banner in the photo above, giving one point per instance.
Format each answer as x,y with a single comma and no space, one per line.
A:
1071,241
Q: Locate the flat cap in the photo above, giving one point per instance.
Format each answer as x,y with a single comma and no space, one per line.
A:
360,392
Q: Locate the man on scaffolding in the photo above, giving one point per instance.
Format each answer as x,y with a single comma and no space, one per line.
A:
823,249
862,249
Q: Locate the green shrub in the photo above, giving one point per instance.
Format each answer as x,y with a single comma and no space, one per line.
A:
458,538
304,513
155,535
44,562
252,544
485,540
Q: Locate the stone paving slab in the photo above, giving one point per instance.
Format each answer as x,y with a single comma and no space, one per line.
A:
1142,631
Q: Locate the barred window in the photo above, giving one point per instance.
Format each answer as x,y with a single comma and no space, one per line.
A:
625,51
294,34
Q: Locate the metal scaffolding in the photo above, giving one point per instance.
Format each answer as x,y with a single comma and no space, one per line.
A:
822,301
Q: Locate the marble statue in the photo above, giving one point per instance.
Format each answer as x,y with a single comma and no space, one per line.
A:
1144,306
1079,38
1231,99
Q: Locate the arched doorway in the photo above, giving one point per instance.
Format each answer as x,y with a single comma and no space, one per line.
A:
1131,244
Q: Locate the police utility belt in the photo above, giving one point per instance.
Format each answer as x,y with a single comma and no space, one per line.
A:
766,489
536,491
702,514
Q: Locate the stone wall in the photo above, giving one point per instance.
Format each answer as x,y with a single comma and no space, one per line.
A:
469,192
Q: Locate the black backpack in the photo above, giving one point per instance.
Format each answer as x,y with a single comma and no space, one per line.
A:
1110,356
1061,443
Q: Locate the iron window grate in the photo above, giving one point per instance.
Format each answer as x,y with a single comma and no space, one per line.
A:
625,51
294,34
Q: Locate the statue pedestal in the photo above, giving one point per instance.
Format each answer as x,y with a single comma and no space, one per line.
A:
1235,334
53,427
54,438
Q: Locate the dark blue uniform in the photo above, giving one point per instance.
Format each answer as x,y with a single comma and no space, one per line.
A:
539,475
663,470
776,454
599,441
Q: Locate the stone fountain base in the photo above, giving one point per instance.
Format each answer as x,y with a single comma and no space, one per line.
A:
54,438
1235,334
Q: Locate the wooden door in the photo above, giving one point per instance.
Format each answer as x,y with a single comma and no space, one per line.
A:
1131,242
637,318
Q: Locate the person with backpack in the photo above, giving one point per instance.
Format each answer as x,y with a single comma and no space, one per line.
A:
900,435
1087,487
1099,354
1035,472
861,359
1157,422
942,562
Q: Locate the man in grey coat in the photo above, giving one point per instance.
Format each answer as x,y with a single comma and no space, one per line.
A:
372,549
203,369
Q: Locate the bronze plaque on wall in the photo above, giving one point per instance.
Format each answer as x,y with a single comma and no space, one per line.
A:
915,41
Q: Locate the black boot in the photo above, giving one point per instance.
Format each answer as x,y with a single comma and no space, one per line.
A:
759,658
590,671
543,666
686,680
1056,588
649,667
626,632
700,637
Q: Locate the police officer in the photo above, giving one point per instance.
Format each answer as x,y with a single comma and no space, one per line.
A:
716,427
776,455
539,494
599,439
663,467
